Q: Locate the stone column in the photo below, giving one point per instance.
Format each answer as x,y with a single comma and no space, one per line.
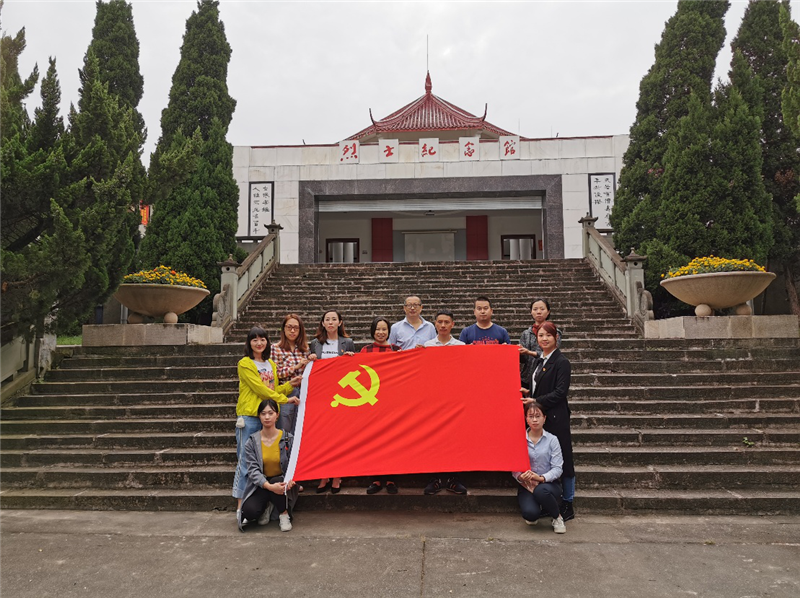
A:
231,278
634,273
587,222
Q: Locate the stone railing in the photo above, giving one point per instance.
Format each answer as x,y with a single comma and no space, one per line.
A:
22,361
239,282
623,276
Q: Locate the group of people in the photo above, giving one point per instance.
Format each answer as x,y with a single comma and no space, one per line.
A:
270,376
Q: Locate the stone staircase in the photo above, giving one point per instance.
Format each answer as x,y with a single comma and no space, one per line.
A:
672,426
581,306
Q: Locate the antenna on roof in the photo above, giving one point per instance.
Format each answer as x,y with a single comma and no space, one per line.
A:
427,65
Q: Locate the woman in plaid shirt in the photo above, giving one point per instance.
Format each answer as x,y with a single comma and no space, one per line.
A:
291,355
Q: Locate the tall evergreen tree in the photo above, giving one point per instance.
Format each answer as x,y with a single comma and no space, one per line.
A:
194,226
684,64
103,153
759,44
116,47
43,251
714,202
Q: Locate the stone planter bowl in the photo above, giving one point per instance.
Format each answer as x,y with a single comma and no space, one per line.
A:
158,300
719,290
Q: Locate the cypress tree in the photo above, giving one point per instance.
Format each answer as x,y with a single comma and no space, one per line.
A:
116,47
759,46
103,154
43,251
194,226
684,64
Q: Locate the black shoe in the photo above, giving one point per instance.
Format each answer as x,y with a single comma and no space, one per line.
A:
434,486
391,487
334,489
567,513
325,488
456,487
374,488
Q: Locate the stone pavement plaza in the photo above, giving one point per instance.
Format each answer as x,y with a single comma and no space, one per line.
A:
164,554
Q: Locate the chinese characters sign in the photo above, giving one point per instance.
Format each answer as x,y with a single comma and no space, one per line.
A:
429,150
260,212
349,152
469,148
601,198
388,150
509,147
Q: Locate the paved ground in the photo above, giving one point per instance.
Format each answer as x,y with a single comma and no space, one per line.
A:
137,554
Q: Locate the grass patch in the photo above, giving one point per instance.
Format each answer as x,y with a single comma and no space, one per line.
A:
69,340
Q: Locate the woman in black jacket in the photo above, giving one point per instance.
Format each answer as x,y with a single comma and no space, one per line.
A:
549,386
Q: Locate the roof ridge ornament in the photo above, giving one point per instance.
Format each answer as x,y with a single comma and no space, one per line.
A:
428,84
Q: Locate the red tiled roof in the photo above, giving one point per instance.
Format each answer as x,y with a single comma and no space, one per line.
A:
429,113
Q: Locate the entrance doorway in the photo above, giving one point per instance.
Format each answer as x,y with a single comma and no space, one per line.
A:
518,247
342,251
430,246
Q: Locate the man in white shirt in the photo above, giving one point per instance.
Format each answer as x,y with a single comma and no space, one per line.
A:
412,331
444,325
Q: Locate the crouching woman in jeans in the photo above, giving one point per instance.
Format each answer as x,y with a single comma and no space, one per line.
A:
539,493
266,455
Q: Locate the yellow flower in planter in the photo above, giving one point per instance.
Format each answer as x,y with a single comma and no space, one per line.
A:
706,265
163,275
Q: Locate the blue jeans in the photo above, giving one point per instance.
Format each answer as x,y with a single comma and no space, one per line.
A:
287,420
544,500
569,488
251,426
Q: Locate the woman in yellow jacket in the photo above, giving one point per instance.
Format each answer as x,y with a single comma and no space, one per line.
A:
258,380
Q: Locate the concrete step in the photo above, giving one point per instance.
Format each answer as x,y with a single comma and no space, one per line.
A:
642,393
585,407
746,437
673,477
486,500
225,454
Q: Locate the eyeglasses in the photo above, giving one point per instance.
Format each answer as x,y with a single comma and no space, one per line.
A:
413,305
291,327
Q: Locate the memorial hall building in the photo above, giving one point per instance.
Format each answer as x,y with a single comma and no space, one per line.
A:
429,182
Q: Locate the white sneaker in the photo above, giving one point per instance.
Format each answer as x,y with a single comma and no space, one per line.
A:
264,518
558,525
286,523
531,522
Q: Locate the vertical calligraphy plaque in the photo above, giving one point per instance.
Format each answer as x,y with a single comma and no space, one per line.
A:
261,207
602,189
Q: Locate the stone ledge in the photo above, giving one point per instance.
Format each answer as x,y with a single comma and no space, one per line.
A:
693,327
138,335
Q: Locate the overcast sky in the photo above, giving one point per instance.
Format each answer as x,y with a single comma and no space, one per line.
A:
312,70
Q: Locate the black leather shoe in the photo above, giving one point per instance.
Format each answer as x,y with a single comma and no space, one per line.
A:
374,488
336,489
325,488
391,487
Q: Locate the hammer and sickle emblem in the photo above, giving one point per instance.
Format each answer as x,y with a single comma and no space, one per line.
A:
365,395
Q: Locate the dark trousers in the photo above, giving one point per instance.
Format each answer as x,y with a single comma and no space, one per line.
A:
544,500
255,504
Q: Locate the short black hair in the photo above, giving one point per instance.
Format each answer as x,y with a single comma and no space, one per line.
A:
257,331
444,312
483,298
535,405
374,326
271,403
543,300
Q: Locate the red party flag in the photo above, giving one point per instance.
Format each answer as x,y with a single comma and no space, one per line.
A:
430,410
